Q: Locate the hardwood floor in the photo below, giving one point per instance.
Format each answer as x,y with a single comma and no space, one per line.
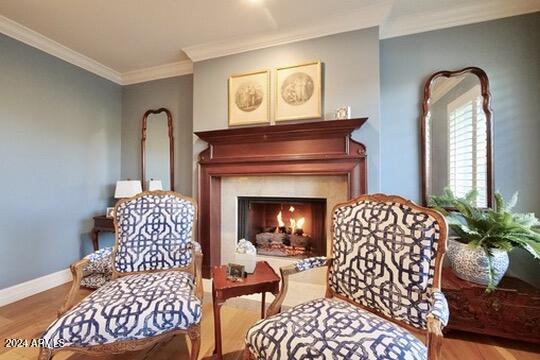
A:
28,318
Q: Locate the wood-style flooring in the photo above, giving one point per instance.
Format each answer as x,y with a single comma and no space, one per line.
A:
29,317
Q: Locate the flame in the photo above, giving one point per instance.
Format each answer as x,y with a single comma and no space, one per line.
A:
291,209
300,223
280,220
293,224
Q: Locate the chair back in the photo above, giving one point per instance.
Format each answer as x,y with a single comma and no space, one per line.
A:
387,256
154,231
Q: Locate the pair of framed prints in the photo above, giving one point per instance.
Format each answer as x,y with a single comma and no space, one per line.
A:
297,95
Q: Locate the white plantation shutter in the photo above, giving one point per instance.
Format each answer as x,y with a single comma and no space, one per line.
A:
467,156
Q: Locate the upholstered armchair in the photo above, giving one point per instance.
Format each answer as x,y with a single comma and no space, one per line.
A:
155,290
383,285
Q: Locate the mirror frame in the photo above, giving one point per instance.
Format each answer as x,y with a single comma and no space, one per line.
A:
486,105
171,143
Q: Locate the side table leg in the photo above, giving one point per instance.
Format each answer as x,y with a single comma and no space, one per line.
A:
218,354
263,305
94,237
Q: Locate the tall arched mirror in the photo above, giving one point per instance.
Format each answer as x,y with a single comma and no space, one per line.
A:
157,150
456,135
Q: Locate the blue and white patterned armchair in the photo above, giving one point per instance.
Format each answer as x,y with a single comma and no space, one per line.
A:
383,280
156,287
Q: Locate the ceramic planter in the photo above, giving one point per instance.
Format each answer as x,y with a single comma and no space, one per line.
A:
473,265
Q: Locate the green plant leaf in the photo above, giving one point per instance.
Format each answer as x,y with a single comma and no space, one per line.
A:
497,228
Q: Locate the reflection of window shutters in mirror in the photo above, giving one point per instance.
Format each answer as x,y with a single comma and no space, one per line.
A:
467,157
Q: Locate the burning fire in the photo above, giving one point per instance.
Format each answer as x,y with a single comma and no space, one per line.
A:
293,223
280,220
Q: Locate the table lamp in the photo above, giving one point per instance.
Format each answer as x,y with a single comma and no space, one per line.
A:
127,188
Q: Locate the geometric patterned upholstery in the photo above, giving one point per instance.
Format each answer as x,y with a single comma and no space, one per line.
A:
99,262
98,271
439,307
310,263
384,258
131,307
95,281
331,329
154,233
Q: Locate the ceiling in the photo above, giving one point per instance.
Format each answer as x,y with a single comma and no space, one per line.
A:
129,41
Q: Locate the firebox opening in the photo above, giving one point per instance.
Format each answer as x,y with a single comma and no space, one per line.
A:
283,226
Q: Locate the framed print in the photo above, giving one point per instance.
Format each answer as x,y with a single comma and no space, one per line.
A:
110,212
249,98
235,272
298,92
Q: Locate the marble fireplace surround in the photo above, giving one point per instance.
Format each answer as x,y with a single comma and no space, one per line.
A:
307,149
333,188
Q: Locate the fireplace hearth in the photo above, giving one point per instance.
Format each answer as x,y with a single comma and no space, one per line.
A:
283,226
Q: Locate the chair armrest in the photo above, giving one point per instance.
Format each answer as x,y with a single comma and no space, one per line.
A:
437,319
299,266
77,274
311,263
439,307
199,291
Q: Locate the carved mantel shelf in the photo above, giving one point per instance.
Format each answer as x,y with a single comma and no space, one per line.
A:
308,148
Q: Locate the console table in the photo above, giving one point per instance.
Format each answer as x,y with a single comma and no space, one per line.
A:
511,311
101,224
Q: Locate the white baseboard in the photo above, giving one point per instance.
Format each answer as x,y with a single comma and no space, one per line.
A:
34,286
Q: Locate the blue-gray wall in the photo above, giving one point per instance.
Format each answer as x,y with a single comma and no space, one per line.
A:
175,94
59,158
351,77
66,135
509,51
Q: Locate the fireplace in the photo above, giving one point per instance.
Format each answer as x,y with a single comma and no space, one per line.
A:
311,149
283,226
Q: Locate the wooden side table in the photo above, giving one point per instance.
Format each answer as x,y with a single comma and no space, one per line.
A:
101,223
511,311
263,280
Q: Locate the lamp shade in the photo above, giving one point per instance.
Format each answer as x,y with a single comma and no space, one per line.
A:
127,188
154,185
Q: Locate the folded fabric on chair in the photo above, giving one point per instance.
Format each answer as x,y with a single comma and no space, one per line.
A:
99,270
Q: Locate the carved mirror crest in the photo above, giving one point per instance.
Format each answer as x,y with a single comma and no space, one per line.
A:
456,135
157,148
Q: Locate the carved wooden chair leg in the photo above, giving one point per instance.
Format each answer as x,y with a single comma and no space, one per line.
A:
45,354
194,334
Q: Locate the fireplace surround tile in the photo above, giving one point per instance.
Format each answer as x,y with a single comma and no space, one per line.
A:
333,188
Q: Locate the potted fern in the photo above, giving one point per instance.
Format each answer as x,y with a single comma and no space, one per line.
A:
485,236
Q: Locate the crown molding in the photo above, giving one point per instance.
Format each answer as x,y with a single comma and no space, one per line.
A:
365,17
157,72
30,37
476,12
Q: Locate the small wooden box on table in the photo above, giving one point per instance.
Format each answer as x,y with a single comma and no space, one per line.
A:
263,280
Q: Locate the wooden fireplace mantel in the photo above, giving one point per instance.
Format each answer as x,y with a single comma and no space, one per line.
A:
308,148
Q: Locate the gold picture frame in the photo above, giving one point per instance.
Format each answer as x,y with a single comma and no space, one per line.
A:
249,98
298,93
